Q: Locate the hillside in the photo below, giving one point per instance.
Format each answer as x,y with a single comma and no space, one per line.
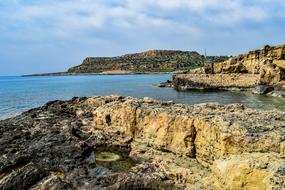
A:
149,61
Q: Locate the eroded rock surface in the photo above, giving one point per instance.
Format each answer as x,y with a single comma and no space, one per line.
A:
174,146
266,66
251,62
258,171
215,81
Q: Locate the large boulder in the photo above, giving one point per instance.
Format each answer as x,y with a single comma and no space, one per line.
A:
270,73
262,89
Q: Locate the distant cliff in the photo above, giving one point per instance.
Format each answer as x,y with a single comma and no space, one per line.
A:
149,61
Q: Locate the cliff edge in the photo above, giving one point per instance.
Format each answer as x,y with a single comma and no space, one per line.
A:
266,65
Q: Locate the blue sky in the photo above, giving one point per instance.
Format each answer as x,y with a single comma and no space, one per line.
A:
39,36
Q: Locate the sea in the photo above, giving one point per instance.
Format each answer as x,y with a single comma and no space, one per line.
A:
19,94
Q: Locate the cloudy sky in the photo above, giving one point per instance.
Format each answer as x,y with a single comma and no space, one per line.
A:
38,36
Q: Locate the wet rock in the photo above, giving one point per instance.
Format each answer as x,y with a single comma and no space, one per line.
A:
161,85
168,84
262,89
107,157
96,171
92,159
145,176
277,93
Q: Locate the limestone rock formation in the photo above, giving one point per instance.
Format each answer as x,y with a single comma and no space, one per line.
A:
260,171
266,66
173,146
269,62
271,73
214,81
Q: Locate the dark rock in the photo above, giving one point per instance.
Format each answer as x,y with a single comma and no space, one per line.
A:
53,182
49,148
262,89
23,178
161,85
93,172
168,84
277,93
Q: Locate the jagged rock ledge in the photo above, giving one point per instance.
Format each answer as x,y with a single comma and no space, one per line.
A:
175,146
262,69
215,81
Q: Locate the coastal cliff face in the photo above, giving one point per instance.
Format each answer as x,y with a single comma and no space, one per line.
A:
268,62
175,146
263,69
149,61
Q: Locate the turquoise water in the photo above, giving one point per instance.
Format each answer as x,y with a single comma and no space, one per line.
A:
18,94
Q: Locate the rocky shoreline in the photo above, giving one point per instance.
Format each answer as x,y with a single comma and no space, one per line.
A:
102,73
222,82
215,81
161,145
260,71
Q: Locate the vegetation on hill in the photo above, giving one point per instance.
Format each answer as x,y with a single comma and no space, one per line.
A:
149,61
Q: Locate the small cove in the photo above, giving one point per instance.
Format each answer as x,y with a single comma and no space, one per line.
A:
18,94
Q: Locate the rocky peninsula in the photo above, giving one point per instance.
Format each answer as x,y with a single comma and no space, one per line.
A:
148,62
262,69
116,142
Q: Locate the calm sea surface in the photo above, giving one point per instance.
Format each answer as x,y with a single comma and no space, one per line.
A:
18,94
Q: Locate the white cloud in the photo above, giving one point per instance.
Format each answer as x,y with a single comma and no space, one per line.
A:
101,20
59,28
67,17
89,14
224,12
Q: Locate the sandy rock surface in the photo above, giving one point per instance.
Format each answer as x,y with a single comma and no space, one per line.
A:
173,146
